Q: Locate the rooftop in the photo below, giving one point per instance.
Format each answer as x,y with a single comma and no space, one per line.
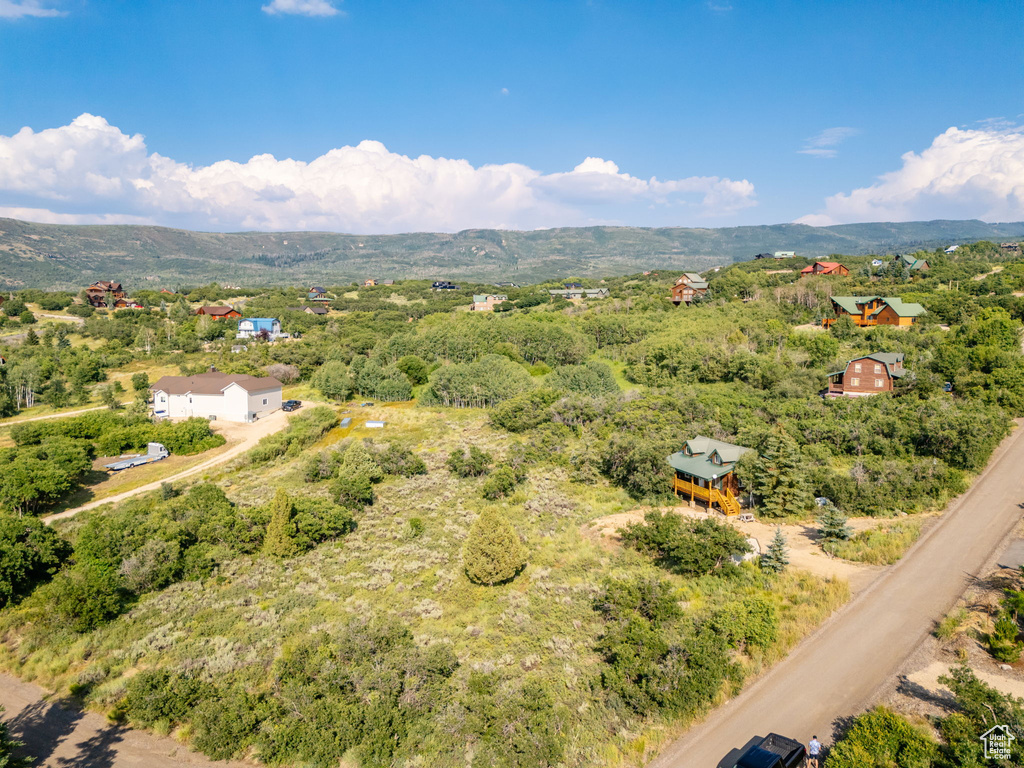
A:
213,383
697,458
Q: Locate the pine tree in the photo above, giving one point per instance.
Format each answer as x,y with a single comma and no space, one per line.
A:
280,538
833,528
776,558
779,479
493,553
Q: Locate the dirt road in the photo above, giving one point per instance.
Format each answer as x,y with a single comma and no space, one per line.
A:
57,415
835,672
68,738
248,434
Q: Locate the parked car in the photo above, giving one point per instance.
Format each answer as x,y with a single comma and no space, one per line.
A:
291,405
773,751
366,405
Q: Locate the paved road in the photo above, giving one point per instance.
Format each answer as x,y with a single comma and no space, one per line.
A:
835,672
250,433
68,738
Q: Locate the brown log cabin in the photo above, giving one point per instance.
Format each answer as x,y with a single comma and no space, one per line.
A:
219,313
875,310
824,268
868,375
688,287
704,470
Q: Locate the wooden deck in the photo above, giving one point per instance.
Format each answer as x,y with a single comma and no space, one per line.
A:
723,498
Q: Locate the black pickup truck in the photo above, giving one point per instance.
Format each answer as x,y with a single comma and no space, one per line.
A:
773,751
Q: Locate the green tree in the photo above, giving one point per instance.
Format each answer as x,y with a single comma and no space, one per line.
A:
493,552
332,380
30,552
87,595
776,557
281,529
414,367
471,463
8,746
140,382
684,545
779,479
833,528
882,739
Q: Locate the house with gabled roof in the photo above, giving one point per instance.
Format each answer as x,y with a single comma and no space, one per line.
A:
486,302
875,310
317,293
253,327
704,469
824,268
688,287
216,395
219,313
868,375
914,265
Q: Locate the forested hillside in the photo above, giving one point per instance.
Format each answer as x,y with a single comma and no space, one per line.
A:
436,592
55,257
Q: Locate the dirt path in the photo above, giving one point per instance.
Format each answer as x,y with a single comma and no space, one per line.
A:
66,318
57,415
836,671
69,738
250,434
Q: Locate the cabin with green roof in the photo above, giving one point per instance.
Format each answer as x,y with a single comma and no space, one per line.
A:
704,470
875,310
688,287
914,265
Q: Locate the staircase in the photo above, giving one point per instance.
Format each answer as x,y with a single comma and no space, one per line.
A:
729,504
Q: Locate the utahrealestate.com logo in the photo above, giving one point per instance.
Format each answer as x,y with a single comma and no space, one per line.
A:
997,742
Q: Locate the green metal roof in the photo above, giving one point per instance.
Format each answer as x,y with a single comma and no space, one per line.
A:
889,359
913,263
701,465
900,307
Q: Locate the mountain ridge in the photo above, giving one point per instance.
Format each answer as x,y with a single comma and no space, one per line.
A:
65,256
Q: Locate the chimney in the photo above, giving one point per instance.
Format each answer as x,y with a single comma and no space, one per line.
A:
213,369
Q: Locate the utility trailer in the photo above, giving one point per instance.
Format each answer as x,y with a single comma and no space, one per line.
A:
154,452
773,751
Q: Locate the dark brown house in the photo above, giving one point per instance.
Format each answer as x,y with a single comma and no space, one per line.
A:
688,287
868,375
219,313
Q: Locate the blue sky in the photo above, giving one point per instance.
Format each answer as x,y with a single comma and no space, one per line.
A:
744,112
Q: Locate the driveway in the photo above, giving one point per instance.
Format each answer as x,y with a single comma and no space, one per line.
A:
56,415
249,434
69,738
836,671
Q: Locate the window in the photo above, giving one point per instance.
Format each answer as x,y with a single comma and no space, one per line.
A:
854,382
879,382
878,369
264,401
856,367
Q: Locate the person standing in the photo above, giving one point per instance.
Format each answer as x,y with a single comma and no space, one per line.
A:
813,752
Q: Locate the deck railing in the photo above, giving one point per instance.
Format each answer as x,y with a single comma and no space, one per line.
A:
723,498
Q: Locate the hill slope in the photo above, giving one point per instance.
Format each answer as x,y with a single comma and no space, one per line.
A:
64,256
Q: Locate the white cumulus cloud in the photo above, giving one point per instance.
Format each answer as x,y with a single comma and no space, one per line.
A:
16,9
301,8
964,174
90,172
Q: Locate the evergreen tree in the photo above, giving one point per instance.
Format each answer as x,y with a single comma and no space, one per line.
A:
31,338
779,479
7,748
776,558
493,553
281,530
833,528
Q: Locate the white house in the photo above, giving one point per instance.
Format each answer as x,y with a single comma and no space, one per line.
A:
251,327
231,397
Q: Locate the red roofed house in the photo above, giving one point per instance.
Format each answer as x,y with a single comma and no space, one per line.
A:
216,395
219,313
824,268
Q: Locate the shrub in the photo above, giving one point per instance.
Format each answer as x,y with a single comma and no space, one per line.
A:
493,552
226,724
87,595
30,552
400,461
752,621
622,600
471,463
281,530
354,492
879,739
590,378
154,695
525,411
683,545
502,482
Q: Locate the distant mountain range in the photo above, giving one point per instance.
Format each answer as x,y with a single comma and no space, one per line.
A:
54,257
